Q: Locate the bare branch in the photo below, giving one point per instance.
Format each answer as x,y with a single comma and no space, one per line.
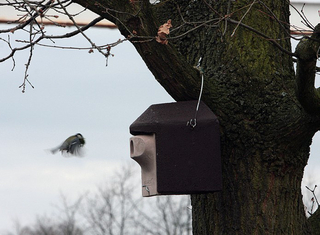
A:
9,44
44,8
23,85
33,10
262,35
68,35
106,55
313,199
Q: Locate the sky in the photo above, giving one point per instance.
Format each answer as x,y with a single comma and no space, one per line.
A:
74,92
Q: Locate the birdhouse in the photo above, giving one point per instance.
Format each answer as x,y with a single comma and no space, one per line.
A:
177,154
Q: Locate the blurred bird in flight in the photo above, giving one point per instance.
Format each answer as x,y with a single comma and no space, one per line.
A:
72,145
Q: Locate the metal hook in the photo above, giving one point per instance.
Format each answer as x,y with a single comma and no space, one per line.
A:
192,122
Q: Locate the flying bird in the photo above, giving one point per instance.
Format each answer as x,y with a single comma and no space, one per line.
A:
71,145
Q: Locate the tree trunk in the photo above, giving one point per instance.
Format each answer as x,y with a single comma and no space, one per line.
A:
266,128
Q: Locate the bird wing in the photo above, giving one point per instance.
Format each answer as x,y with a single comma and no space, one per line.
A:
75,147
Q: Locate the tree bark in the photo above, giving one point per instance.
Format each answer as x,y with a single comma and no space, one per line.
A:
266,121
307,53
314,223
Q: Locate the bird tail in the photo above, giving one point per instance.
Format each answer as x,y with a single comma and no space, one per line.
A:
54,150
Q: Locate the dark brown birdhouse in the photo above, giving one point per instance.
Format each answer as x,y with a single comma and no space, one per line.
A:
176,157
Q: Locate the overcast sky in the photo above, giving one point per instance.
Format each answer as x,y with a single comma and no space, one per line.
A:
74,92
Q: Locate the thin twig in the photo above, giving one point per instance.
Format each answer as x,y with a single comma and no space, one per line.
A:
276,18
244,15
306,22
313,199
23,85
106,55
263,35
27,22
14,50
9,44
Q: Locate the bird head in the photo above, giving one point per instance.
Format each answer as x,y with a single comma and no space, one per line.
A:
81,139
